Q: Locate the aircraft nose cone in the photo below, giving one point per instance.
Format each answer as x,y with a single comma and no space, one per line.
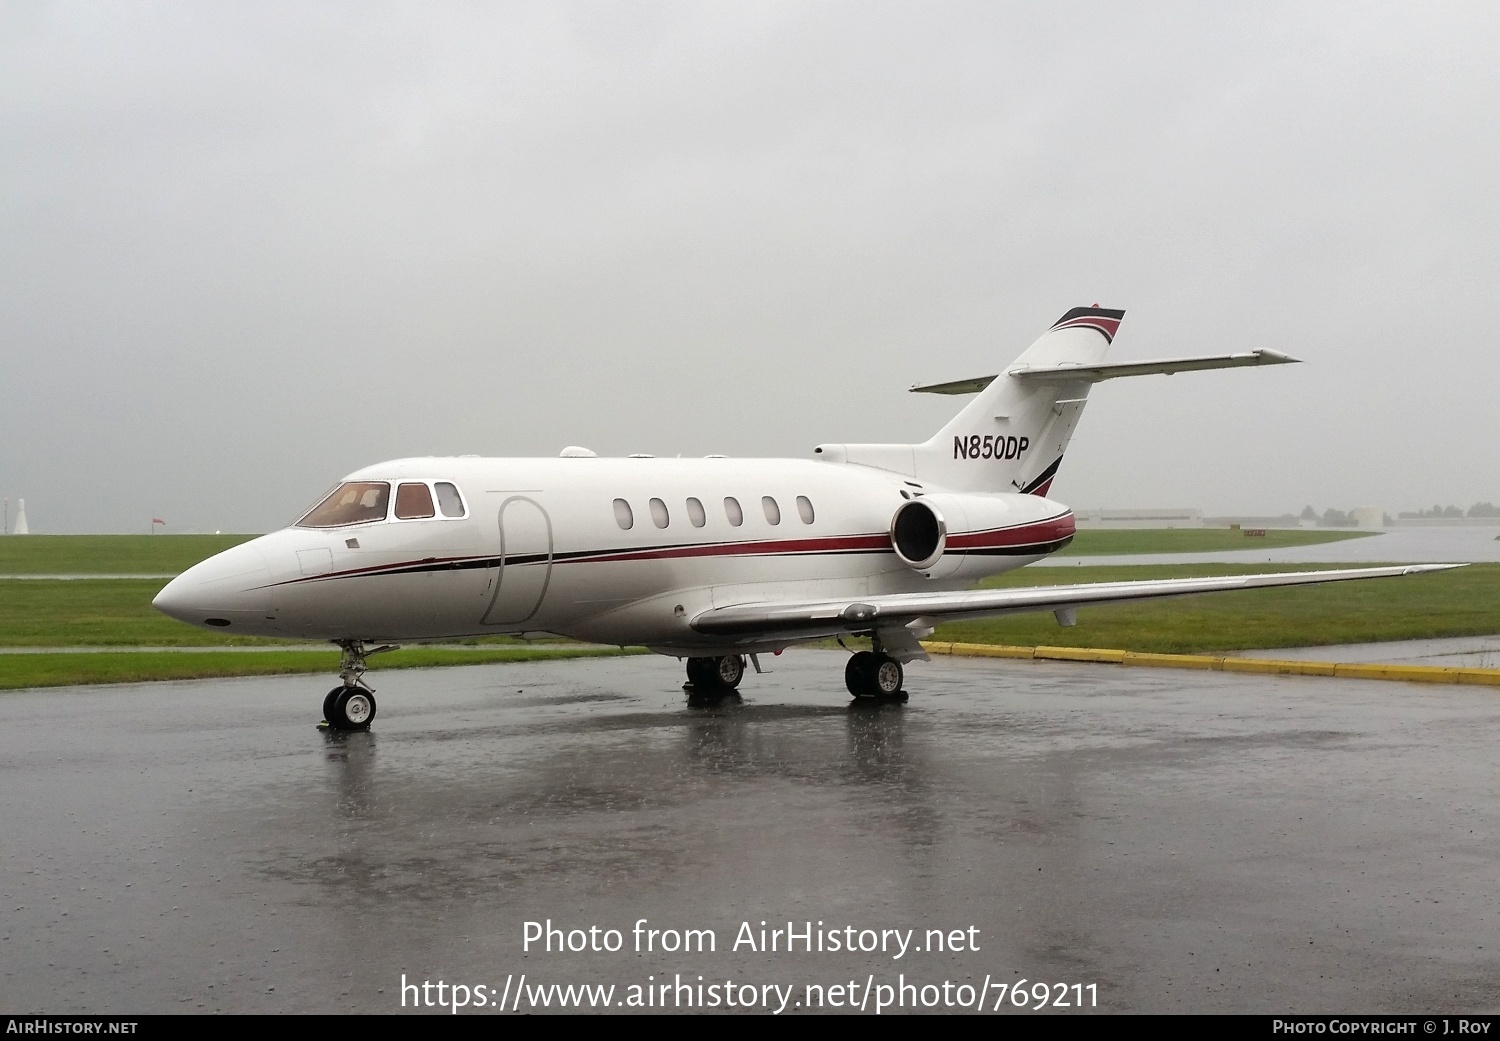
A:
232,588
176,600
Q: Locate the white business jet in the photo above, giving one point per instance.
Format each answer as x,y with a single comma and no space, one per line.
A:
713,560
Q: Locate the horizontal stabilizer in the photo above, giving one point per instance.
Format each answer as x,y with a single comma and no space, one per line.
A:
1066,373
832,617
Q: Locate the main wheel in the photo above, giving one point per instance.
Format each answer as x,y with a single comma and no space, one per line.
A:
352,709
857,674
703,674
729,670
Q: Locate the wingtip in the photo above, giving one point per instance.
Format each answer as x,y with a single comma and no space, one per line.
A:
1271,357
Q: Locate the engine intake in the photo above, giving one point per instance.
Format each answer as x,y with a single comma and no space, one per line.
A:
919,534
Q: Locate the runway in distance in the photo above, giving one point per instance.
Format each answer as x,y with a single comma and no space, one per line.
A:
713,560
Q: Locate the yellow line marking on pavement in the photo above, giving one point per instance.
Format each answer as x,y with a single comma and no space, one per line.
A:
1217,663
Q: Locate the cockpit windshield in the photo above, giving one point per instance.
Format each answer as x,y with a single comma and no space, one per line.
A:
356,502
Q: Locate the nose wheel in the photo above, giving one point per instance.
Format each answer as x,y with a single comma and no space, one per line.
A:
870,675
351,706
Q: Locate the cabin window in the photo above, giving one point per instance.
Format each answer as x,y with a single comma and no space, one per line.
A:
696,514
773,512
414,502
449,501
659,513
733,512
623,517
804,509
357,502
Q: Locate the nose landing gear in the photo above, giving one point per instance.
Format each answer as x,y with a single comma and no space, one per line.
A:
352,705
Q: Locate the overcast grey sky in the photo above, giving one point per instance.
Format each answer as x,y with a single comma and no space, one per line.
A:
247,248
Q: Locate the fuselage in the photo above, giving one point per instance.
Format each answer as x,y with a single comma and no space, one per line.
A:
619,551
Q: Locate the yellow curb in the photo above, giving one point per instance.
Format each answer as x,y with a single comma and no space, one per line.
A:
1081,654
1263,666
980,650
1277,667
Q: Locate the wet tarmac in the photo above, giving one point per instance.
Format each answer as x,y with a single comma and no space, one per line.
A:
1182,841
1466,652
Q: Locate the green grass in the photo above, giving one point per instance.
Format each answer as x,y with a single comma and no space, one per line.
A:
109,554
88,612
57,670
1092,542
85,612
1462,602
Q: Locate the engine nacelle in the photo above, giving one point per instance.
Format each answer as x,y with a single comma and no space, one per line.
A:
955,535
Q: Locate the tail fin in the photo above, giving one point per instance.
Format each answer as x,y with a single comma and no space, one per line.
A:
1012,436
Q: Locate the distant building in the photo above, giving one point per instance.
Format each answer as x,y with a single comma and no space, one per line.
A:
1406,520
21,528
1280,520
1160,517
1368,517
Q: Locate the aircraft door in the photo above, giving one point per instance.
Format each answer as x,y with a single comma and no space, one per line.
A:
525,562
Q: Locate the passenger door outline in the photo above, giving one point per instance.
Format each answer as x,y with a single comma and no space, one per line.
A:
521,573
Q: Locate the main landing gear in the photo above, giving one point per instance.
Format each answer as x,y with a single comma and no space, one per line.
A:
351,705
874,675
870,675
716,675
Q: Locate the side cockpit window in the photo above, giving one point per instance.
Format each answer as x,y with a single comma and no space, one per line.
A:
449,501
414,502
356,502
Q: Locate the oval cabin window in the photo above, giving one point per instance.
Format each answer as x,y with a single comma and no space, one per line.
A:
659,513
773,512
804,509
623,517
733,512
696,514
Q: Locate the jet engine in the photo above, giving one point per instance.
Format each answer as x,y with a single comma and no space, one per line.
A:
952,535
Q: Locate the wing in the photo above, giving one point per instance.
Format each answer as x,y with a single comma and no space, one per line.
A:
810,619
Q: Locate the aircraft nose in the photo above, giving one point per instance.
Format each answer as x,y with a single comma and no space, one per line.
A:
226,590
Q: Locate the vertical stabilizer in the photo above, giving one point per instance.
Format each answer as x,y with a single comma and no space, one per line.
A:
1012,436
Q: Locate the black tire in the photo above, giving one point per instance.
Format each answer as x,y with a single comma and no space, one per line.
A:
353,709
858,674
700,672
328,703
728,671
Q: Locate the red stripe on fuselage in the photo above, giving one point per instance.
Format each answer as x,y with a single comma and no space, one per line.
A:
1049,530
840,544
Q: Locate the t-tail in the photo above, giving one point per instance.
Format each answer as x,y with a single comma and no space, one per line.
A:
1012,437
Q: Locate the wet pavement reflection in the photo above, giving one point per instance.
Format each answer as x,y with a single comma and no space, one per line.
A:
1186,842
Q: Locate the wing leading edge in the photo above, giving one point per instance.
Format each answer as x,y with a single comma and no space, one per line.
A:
814,618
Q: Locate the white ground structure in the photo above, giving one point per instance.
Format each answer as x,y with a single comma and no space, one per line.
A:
21,528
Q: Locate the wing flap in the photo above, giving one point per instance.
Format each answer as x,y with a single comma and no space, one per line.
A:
811,619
